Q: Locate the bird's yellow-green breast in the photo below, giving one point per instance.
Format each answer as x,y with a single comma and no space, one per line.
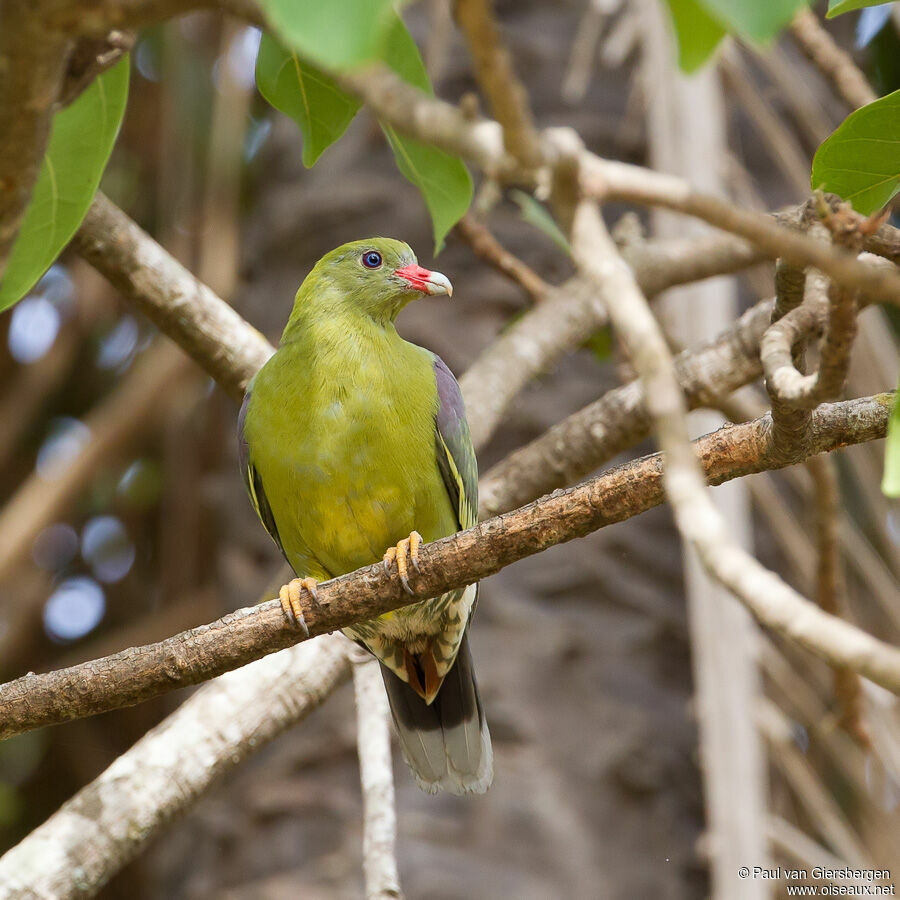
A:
341,422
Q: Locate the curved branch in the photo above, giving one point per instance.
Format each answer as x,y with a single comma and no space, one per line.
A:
485,246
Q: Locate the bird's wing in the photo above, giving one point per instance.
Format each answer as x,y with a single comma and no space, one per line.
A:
252,479
455,453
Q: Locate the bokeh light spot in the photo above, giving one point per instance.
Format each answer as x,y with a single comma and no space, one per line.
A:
106,547
74,609
66,439
33,328
55,547
118,347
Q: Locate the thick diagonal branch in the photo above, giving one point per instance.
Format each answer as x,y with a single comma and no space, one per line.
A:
108,822
174,299
139,673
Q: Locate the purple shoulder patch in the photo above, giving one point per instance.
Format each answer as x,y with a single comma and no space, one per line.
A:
451,411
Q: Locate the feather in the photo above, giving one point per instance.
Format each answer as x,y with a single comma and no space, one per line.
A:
252,478
455,454
447,744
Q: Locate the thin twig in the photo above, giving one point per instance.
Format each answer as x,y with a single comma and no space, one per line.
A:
485,246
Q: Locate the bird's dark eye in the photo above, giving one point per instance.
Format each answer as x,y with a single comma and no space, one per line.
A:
371,259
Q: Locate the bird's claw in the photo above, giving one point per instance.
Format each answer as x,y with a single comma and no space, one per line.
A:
406,552
290,595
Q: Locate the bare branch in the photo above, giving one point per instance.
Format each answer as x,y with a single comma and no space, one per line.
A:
484,245
588,438
834,63
532,345
496,77
662,263
570,313
773,602
109,821
373,740
177,302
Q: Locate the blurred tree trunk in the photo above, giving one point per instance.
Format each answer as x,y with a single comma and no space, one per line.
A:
687,136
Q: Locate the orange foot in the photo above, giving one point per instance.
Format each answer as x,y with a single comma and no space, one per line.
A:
290,594
407,548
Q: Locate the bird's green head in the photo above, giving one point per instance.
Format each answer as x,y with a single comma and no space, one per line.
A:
374,278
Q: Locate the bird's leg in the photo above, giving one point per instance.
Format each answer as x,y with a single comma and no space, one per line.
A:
290,594
406,552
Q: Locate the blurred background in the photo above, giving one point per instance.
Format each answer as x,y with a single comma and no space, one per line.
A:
125,521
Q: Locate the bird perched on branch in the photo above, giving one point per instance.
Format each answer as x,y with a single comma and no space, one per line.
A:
354,448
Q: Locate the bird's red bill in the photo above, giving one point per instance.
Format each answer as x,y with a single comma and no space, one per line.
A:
425,280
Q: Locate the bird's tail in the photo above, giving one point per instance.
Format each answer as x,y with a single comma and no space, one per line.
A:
447,745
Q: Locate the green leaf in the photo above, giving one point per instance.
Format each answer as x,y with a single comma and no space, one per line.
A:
323,112
697,32
890,485
442,178
309,96
335,34
536,214
839,7
758,20
861,160
80,143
